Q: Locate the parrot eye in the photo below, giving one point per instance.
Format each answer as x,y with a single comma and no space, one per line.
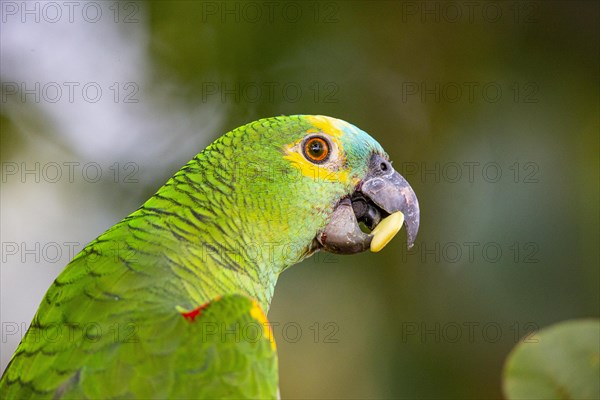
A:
316,149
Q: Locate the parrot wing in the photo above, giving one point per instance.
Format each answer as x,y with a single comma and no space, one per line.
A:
222,349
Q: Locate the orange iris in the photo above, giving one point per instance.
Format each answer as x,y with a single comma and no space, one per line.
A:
316,149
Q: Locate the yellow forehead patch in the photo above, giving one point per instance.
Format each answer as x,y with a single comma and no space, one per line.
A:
331,126
257,313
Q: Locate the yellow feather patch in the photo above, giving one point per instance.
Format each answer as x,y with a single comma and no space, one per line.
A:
328,125
257,313
314,171
331,171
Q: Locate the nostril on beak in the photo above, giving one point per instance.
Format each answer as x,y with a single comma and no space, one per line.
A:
384,166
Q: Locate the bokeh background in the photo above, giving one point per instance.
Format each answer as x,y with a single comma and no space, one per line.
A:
489,109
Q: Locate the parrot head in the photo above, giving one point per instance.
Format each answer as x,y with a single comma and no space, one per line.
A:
320,179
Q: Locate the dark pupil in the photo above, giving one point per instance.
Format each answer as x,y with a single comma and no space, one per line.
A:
316,148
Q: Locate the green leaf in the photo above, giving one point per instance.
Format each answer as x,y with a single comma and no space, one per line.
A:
558,362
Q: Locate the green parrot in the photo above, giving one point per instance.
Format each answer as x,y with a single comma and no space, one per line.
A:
171,301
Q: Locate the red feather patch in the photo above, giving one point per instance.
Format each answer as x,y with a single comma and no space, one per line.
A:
191,315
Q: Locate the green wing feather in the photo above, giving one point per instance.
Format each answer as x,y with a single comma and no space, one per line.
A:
224,351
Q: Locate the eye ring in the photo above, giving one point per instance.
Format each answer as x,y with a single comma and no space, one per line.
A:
316,149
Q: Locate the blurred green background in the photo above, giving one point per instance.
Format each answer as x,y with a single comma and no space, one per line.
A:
489,109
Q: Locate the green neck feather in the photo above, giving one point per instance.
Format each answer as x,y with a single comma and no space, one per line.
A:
229,221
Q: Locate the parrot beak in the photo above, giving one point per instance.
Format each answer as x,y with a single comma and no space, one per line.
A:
383,201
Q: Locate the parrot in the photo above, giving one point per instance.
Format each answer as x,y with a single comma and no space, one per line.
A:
171,302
